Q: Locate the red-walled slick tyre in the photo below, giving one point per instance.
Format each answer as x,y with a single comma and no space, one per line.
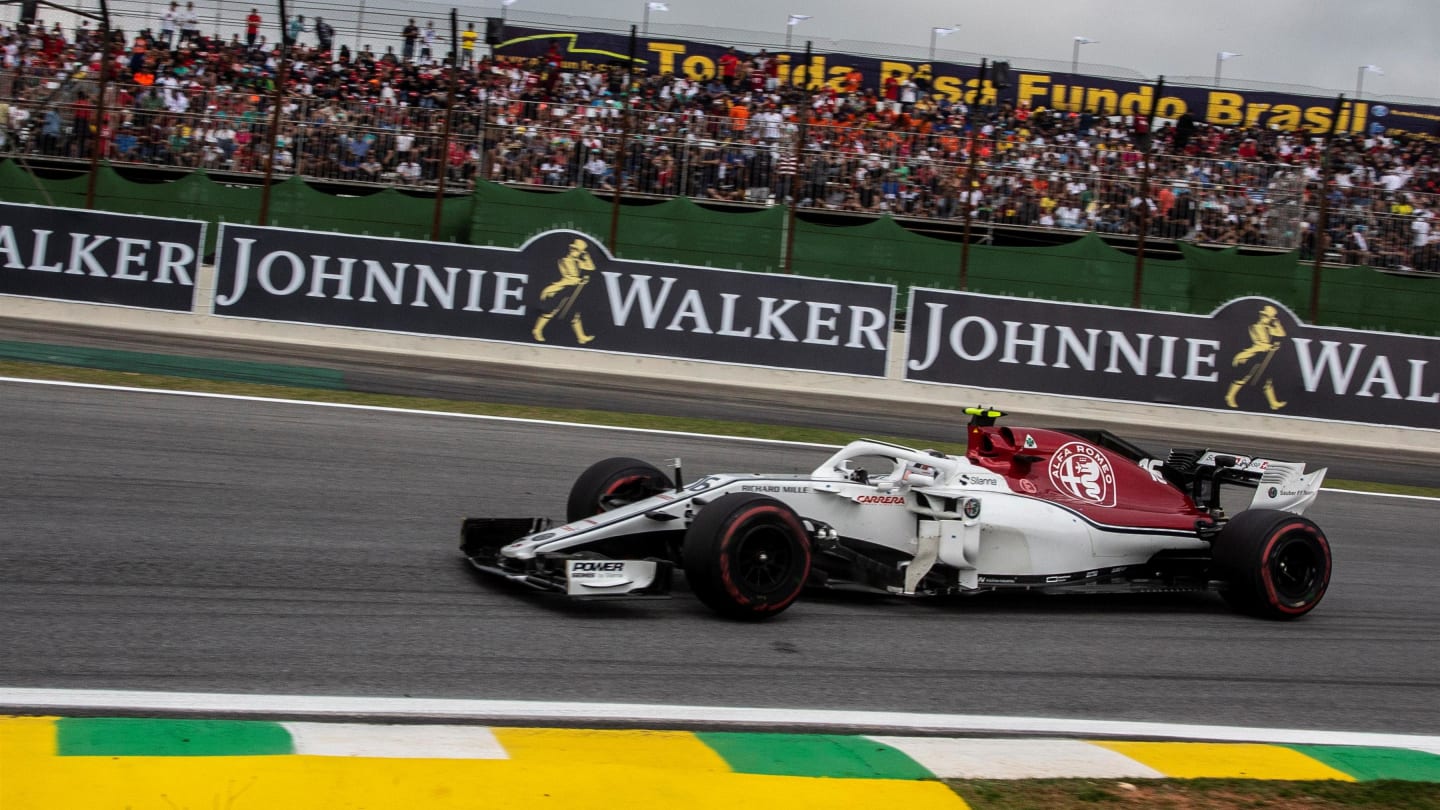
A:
611,483
1276,565
747,556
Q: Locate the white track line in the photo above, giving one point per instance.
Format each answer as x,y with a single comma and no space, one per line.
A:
513,419
410,411
581,714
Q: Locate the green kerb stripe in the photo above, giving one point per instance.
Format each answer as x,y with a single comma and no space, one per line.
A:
203,368
813,755
137,737
1369,764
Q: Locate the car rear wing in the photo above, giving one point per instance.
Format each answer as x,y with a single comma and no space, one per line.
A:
1283,485
1286,486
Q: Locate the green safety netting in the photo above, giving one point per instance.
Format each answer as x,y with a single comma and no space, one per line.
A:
1358,298
388,212
1086,270
879,251
1219,275
680,232
504,216
293,203
20,186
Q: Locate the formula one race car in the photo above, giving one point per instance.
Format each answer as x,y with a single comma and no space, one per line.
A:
1023,508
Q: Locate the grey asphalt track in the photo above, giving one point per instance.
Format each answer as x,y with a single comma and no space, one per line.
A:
150,541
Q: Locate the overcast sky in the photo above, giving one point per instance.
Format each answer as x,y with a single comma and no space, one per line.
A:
1318,43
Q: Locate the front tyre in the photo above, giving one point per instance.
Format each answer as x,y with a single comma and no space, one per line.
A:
747,556
611,483
1276,565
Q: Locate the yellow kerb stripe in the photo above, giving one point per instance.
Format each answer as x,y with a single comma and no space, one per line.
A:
352,783
1226,761
678,750
24,738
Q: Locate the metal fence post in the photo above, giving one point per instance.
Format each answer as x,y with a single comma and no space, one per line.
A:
277,101
1321,217
800,165
1136,293
624,145
99,144
444,167
970,177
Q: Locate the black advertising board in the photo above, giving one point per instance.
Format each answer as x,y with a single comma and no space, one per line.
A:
69,254
1054,90
561,289
1252,354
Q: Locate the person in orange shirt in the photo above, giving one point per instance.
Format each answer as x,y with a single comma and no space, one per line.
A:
739,118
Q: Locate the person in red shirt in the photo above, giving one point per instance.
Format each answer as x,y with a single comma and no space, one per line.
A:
729,64
892,90
553,61
252,28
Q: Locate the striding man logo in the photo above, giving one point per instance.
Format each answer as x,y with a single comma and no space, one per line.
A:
1252,365
562,294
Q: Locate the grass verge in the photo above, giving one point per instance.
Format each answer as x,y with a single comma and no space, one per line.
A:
1194,794
42,371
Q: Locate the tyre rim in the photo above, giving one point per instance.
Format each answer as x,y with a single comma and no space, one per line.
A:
764,559
1295,569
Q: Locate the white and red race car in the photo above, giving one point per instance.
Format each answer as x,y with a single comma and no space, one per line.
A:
1023,508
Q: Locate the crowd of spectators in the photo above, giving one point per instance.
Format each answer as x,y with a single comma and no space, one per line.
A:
190,100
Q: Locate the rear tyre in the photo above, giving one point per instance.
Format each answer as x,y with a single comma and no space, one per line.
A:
611,483
747,556
1276,565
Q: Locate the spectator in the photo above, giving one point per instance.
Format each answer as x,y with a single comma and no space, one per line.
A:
411,34
324,35
467,44
427,41
189,22
294,29
169,17
729,67
252,28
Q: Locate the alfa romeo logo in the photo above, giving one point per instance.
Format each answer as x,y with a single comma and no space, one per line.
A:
1082,472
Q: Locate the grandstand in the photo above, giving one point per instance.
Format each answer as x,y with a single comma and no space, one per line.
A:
368,112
